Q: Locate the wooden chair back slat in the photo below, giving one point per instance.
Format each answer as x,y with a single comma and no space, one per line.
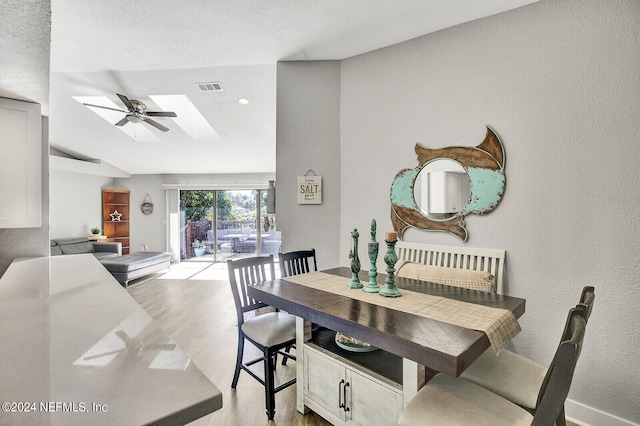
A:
297,262
242,273
471,258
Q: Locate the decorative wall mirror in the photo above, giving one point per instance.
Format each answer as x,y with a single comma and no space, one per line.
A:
448,184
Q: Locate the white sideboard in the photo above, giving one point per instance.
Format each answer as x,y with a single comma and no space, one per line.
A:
345,393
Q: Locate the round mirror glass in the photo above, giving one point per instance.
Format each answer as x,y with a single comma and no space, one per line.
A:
442,189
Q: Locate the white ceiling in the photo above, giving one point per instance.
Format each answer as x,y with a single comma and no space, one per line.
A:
160,47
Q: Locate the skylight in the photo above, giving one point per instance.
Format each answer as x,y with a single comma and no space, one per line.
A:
189,117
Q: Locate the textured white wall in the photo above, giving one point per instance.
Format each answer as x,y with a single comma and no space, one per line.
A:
75,203
146,230
24,75
559,82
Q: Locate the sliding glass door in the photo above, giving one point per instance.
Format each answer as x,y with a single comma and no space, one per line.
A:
237,227
196,216
235,224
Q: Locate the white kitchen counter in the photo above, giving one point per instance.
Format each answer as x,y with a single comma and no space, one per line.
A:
75,348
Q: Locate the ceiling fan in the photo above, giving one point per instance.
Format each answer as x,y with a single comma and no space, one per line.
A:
137,113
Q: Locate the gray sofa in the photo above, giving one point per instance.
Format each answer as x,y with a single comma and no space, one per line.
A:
135,265
101,250
123,267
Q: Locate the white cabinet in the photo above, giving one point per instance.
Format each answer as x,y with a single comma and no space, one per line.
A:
345,393
20,164
373,402
324,383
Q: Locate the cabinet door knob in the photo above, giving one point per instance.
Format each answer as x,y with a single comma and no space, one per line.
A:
340,403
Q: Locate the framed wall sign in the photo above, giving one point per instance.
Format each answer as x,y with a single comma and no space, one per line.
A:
309,189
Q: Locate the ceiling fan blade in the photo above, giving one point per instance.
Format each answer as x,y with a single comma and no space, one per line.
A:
103,107
161,114
92,357
122,122
126,102
156,125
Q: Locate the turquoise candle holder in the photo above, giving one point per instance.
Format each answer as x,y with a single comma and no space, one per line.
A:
390,258
373,286
355,262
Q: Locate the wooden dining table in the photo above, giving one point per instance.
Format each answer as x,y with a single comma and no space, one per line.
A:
425,344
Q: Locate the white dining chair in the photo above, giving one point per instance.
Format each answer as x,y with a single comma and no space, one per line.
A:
514,376
445,400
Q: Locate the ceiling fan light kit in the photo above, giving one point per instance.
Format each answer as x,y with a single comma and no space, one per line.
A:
137,113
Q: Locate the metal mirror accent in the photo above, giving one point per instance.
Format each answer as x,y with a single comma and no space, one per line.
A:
448,184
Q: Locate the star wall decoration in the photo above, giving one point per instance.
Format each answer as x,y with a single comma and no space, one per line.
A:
115,216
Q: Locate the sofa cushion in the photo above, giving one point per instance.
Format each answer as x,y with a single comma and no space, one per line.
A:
75,246
466,278
55,249
134,261
104,254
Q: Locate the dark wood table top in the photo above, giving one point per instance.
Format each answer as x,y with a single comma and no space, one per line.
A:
440,346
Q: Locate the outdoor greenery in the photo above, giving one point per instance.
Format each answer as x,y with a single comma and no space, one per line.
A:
197,205
232,205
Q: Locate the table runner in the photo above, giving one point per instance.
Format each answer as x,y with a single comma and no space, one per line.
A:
500,325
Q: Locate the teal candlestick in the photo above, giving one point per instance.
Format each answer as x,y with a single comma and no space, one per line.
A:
355,262
373,286
390,258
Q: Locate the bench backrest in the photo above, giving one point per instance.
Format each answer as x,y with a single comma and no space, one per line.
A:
476,259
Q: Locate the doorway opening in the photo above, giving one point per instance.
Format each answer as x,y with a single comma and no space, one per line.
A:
219,225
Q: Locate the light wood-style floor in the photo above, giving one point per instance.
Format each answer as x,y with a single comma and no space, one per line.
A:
193,304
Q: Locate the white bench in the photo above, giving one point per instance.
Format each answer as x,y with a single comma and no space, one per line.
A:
470,258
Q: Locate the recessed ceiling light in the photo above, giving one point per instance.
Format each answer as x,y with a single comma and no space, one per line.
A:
243,101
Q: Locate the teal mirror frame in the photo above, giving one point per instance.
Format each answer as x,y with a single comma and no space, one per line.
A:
484,164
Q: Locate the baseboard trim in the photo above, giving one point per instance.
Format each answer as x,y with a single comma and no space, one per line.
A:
583,415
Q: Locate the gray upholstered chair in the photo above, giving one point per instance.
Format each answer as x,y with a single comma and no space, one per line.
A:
514,376
297,262
271,332
451,401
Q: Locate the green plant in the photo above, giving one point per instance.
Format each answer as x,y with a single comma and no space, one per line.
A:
198,205
95,231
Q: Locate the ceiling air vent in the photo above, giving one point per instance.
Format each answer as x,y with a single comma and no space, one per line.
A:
213,86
